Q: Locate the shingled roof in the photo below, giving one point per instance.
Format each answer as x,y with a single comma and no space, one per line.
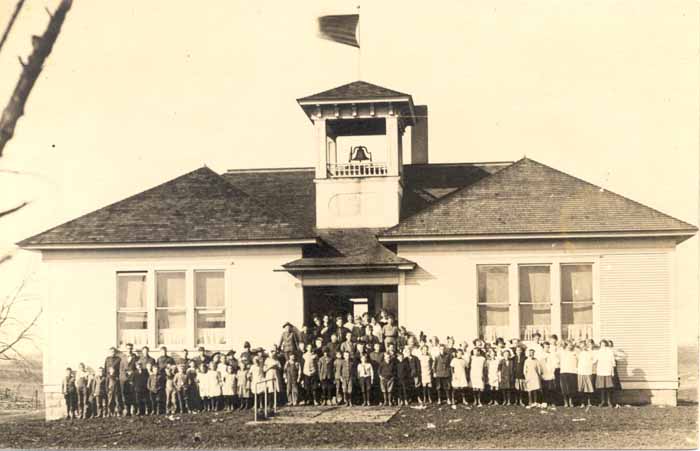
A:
531,198
200,206
348,248
357,90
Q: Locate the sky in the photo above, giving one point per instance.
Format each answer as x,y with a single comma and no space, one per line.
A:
136,93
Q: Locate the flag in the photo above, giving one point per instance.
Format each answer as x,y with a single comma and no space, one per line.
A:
340,28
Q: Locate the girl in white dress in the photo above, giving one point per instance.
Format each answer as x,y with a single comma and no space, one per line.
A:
586,360
214,376
492,375
532,378
426,373
203,384
228,387
476,374
459,376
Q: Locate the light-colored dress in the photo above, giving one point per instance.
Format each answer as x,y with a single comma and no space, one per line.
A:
257,374
203,383
271,368
532,374
492,373
243,383
228,387
459,373
476,372
426,370
214,383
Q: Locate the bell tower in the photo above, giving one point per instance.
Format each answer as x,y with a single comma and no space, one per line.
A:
359,155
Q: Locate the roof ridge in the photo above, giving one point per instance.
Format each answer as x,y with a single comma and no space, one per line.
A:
268,170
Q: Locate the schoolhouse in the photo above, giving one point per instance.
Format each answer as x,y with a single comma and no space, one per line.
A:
466,249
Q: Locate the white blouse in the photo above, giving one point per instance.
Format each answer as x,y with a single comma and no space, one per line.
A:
568,361
586,359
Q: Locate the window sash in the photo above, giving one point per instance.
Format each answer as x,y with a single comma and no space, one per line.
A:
577,282
493,284
534,283
131,286
170,289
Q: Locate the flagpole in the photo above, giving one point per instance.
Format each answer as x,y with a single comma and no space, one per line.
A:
359,46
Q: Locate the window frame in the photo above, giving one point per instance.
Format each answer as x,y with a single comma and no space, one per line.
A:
197,309
521,327
592,302
480,304
126,310
175,309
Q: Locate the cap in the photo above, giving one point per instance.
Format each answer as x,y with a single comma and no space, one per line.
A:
287,324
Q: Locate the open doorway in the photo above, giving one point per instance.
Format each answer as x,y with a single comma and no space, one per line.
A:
341,300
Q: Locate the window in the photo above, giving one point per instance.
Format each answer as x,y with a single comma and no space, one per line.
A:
493,302
132,316
577,301
535,301
210,307
170,307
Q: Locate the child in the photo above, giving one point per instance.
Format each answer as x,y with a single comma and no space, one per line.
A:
81,385
365,375
310,375
519,367
459,376
128,392
548,366
140,380
344,378
325,375
506,377
156,385
605,370
532,378
339,365
191,388
568,377
492,375
403,375
69,393
387,371
426,374
98,392
586,360
228,387
214,384
441,370
292,377
179,385
243,384
257,376
113,391
170,402
476,374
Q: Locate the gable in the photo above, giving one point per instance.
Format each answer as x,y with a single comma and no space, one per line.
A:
355,90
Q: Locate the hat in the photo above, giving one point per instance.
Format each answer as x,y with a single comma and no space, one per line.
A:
287,324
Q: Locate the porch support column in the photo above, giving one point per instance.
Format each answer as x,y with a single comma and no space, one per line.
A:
322,150
403,300
392,138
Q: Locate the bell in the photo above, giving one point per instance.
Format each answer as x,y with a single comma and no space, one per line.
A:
360,153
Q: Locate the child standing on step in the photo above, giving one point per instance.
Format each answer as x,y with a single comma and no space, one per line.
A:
292,378
69,393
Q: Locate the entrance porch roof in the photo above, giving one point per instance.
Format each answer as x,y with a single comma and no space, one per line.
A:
348,249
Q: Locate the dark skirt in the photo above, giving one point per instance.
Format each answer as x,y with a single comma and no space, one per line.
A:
616,380
569,383
604,382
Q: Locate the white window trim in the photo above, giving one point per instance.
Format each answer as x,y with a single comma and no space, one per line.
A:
119,310
151,271
514,262
196,309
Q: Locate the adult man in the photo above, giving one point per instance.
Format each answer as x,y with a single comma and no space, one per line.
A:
164,360
127,363
288,341
390,332
114,361
146,358
200,357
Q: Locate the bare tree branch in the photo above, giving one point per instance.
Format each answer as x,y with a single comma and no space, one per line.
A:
4,258
30,73
6,33
13,209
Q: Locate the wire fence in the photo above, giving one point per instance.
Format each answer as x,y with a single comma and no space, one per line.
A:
20,396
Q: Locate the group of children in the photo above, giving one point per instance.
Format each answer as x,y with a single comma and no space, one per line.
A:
361,361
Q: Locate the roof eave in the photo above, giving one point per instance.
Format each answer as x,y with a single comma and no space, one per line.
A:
360,267
144,245
678,235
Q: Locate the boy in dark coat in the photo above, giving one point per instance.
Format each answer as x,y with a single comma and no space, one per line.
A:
70,393
156,386
387,373
98,393
405,378
114,398
141,404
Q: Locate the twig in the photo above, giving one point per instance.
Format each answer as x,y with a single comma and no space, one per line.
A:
30,73
14,209
18,7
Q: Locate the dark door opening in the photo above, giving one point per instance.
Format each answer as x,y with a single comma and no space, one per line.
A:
341,300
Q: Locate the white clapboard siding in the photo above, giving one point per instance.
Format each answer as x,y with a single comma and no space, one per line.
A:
636,312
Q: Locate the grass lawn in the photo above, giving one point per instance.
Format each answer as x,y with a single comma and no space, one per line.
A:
508,427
